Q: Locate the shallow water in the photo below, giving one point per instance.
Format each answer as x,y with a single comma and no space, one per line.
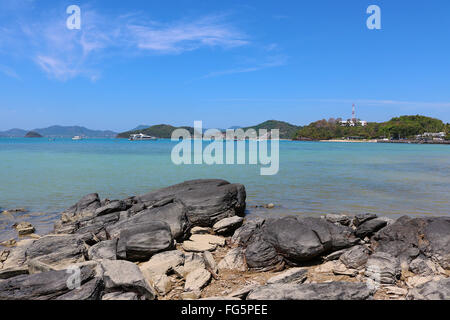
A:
314,177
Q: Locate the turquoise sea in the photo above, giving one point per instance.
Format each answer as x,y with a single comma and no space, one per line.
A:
314,178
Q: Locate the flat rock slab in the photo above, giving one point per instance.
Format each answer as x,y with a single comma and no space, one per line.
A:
227,225
233,260
197,280
312,291
125,276
293,275
194,246
162,263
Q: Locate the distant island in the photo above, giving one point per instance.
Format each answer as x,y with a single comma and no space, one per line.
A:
164,131
60,132
33,134
415,127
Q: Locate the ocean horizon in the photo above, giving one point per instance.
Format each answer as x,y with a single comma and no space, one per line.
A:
314,178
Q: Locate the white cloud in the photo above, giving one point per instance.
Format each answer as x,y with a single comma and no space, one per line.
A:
186,36
64,54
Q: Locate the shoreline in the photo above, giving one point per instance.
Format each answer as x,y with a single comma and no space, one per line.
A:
198,252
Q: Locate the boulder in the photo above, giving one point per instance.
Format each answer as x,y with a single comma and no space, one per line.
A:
421,266
432,290
294,275
369,227
125,276
174,214
207,201
41,286
228,225
296,240
312,291
251,226
407,238
383,268
139,242
197,280
103,250
260,254
56,252
355,257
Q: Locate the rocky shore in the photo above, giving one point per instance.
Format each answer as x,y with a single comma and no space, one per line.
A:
193,241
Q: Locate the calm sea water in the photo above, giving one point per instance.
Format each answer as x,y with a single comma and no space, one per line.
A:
314,177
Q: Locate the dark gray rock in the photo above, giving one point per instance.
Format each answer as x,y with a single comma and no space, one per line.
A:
41,286
91,290
260,254
408,237
432,290
355,257
173,213
139,242
250,226
363,217
103,250
338,218
312,291
113,206
400,239
369,227
420,266
207,201
85,207
56,251
437,234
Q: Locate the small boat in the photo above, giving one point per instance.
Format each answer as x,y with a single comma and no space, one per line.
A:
141,136
77,138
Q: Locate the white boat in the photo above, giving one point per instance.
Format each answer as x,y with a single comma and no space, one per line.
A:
141,136
77,138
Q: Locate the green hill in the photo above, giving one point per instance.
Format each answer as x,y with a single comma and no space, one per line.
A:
287,130
163,131
398,127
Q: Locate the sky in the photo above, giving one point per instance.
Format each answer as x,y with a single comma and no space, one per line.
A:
226,63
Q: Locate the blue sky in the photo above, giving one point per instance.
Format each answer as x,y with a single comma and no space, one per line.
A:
223,62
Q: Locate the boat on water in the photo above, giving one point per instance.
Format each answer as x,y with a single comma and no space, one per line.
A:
77,138
141,136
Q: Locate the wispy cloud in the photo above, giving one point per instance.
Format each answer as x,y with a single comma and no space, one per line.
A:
209,31
64,54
